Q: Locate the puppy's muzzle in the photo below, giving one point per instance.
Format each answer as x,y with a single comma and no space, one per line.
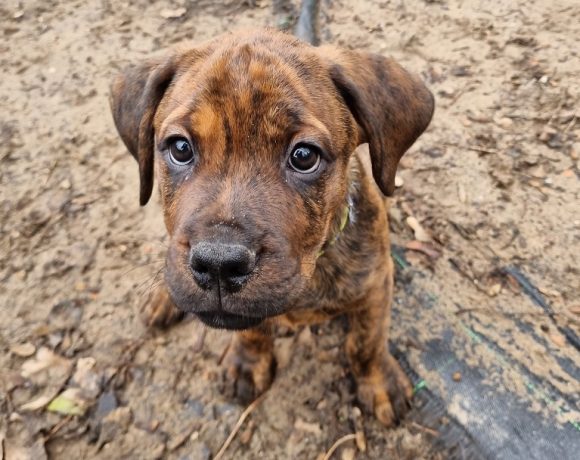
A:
221,266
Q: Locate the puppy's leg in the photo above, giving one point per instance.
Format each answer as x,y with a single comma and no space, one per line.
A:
158,310
250,364
383,387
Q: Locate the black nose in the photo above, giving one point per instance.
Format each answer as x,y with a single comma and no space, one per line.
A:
228,265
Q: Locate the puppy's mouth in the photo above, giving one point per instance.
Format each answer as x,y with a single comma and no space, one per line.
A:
223,320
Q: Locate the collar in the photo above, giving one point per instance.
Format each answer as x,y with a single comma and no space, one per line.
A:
344,220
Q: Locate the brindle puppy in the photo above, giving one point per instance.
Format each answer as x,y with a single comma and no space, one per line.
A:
271,215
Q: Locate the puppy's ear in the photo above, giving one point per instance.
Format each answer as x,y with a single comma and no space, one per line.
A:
391,107
135,95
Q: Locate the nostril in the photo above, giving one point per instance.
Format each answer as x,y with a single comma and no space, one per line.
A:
230,263
200,267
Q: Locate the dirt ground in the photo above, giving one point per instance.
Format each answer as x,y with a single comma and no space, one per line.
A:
493,183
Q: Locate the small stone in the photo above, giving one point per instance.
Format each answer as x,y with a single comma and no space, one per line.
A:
107,403
65,184
456,376
305,337
505,123
494,290
399,182
558,339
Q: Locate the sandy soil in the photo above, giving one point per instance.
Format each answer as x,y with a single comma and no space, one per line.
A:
493,183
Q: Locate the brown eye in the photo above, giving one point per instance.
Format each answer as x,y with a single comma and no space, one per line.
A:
180,151
304,159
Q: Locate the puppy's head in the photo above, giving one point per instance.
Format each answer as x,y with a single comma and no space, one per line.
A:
251,135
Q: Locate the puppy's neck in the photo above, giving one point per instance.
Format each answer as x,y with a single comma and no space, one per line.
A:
347,214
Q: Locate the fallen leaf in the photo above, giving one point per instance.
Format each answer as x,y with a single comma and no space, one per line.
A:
10,380
86,378
24,350
426,248
549,292
348,453
313,428
47,371
172,14
461,193
36,404
557,339
46,360
418,230
69,402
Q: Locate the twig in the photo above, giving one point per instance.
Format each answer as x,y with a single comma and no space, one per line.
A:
426,429
200,340
56,428
238,425
225,351
337,444
472,147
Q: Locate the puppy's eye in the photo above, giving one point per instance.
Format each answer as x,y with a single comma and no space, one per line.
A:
304,159
180,151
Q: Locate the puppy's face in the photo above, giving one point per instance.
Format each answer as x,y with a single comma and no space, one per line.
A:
251,136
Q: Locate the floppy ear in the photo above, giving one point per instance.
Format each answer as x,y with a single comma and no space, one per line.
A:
391,107
135,95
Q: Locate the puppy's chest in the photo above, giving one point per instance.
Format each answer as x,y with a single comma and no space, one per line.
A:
345,278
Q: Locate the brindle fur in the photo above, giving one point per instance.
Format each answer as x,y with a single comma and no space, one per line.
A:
245,98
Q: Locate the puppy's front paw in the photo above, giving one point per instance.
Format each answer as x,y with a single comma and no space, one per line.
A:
248,373
386,391
159,311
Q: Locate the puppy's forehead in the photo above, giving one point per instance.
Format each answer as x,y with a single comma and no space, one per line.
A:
247,79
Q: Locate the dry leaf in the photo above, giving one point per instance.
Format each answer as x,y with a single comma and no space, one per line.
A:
46,360
24,350
86,378
172,14
557,339
461,193
348,453
418,230
47,371
36,404
313,428
69,402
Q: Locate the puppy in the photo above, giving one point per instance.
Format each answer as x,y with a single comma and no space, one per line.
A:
271,214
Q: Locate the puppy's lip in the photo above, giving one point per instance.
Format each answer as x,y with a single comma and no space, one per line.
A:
223,320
